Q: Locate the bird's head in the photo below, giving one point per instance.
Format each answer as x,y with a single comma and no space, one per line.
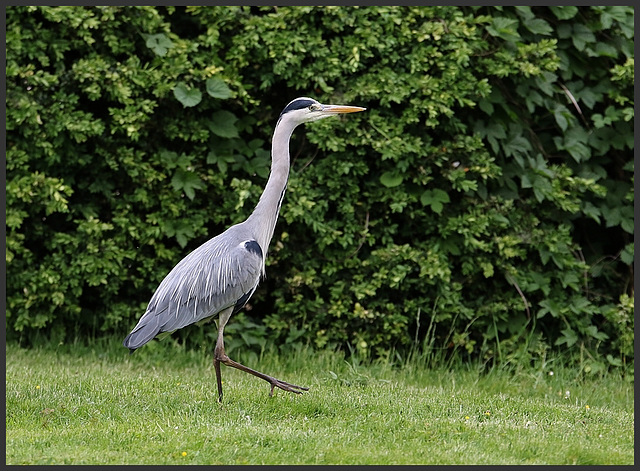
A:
304,110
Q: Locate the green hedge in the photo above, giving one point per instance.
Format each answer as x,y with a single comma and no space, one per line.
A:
482,205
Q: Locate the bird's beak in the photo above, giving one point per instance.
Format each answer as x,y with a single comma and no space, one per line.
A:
339,109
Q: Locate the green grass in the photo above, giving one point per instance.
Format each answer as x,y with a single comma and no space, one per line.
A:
76,405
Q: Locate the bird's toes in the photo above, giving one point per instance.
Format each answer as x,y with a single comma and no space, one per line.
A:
288,387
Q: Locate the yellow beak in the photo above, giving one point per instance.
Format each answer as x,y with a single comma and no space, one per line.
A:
338,109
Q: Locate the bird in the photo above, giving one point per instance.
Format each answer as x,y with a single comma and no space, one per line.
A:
217,279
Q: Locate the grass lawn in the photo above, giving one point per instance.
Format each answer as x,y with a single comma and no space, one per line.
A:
77,405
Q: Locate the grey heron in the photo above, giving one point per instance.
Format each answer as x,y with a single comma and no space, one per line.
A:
219,277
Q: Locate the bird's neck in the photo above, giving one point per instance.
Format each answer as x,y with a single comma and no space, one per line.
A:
265,214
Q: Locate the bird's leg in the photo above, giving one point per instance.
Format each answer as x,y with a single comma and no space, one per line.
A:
219,356
218,353
275,383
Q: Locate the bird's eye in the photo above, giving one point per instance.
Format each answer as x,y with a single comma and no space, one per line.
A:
314,107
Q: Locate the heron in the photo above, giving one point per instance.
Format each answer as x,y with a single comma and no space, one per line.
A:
218,278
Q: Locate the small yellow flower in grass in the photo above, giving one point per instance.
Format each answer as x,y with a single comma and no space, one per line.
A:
184,453
587,407
487,413
38,386
466,417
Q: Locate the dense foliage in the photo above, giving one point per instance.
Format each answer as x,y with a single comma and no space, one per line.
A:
482,205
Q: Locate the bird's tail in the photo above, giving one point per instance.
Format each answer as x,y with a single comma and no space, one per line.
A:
146,330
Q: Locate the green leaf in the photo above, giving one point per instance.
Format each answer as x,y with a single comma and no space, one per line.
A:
569,279
538,26
518,145
593,331
173,160
222,166
614,361
619,216
581,36
505,28
627,254
435,199
217,88
627,225
212,157
564,13
180,229
187,96
589,97
564,30
612,216
159,44
486,106
497,130
545,82
588,209
186,181
561,120
618,13
391,179
525,12
223,124
607,50
549,306
568,336
562,115
220,161
258,165
169,158
494,132
574,142
600,121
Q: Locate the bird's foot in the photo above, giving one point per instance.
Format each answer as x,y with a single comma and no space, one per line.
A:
221,357
276,383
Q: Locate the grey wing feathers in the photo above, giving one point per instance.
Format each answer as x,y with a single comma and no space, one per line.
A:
219,274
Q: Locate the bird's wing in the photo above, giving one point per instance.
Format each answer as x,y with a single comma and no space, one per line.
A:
221,273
